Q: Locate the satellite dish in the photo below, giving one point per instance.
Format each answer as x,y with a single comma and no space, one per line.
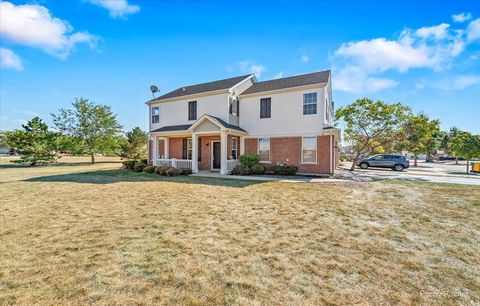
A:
153,89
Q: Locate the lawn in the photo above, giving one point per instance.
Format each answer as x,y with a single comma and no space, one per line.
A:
80,234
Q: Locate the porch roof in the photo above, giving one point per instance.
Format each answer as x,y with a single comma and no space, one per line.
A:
186,127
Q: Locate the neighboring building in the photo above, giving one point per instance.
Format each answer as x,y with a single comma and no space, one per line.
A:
207,126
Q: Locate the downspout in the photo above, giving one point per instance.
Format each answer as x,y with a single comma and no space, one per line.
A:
331,154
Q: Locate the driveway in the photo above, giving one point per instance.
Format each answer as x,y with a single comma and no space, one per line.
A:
438,172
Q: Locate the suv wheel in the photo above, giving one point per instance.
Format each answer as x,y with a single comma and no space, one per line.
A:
364,165
398,167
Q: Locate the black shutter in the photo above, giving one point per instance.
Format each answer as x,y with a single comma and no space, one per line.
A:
262,108
238,107
195,110
199,149
269,108
184,148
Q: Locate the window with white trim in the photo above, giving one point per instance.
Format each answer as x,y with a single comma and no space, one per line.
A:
264,149
155,114
310,103
309,149
234,147
189,148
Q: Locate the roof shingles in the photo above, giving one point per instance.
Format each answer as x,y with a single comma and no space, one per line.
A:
294,81
201,88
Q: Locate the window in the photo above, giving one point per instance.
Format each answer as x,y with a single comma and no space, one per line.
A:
192,110
234,147
265,108
310,103
155,114
309,149
264,149
187,147
327,110
234,107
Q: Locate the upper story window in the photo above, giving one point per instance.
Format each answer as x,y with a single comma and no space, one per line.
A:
309,149
310,103
264,149
234,107
155,114
192,110
266,108
327,110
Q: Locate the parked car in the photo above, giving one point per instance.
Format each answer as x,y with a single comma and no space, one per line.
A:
394,162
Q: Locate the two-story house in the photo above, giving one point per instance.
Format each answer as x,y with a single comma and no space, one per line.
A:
207,126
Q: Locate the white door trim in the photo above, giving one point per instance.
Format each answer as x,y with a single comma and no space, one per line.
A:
211,155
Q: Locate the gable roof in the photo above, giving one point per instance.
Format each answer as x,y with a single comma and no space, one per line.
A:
203,87
294,81
186,127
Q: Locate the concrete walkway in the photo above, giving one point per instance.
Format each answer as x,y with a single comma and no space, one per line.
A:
270,178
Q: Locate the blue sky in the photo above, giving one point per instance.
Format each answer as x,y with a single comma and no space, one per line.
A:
425,54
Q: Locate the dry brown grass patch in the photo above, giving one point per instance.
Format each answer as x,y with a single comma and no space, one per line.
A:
117,238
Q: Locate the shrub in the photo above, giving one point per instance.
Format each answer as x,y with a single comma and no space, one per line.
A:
149,169
139,167
257,169
244,170
129,164
173,171
185,171
285,169
249,160
162,170
235,170
144,161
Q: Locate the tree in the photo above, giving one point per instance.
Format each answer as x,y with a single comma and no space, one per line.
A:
420,135
93,127
371,125
465,145
35,143
135,145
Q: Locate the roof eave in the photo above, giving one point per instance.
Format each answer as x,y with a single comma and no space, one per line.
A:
286,89
201,94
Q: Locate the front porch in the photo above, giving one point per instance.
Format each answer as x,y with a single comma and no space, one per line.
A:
205,145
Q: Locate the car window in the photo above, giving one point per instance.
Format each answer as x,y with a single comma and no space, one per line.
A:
378,157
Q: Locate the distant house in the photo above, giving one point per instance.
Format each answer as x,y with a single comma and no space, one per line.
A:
3,147
207,126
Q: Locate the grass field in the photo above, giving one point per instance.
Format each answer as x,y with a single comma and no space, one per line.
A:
78,234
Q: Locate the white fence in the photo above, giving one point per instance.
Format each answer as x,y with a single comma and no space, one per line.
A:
232,163
176,163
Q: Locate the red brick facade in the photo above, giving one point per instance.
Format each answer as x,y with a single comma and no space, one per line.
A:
289,150
282,149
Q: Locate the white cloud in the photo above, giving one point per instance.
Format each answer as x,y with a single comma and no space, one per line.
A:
462,17
456,82
305,58
436,32
278,75
32,25
473,30
8,59
246,66
117,8
433,47
352,79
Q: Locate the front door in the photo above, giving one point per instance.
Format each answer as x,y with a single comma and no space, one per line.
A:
216,155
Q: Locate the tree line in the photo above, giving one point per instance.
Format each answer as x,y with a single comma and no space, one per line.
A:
369,126
373,127
84,129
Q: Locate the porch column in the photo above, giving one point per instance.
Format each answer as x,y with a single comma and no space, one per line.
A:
242,145
166,141
155,150
223,152
194,153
